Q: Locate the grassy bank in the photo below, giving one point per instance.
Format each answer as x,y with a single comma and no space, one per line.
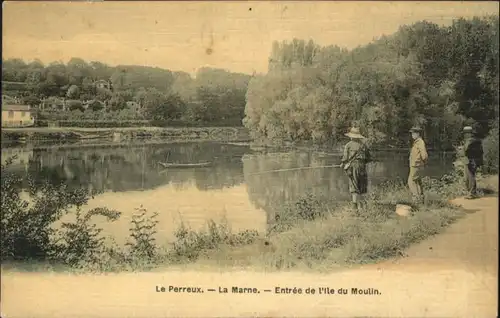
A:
307,234
322,236
126,133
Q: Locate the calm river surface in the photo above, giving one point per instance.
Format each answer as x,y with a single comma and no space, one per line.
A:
235,187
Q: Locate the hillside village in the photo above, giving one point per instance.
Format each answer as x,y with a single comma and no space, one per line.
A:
64,103
81,92
56,102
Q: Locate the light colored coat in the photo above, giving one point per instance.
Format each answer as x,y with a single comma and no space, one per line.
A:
418,153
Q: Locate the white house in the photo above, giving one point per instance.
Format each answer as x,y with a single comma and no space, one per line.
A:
15,115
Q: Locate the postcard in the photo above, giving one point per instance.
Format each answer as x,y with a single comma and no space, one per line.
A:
249,159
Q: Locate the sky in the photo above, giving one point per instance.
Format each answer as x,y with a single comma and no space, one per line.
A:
184,36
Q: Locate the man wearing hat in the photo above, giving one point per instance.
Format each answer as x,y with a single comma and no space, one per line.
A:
418,160
356,156
473,159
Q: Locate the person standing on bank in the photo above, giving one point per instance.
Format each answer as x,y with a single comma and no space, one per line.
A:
418,161
473,159
354,161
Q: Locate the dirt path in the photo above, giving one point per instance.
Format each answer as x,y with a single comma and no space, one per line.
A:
470,244
453,274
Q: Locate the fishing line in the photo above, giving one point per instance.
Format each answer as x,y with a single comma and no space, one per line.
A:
291,169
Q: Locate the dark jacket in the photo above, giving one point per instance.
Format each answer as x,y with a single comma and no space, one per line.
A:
473,149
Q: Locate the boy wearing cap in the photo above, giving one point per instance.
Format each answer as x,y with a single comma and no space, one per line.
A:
418,160
473,159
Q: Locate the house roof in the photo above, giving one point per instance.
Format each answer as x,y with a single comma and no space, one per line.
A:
15,107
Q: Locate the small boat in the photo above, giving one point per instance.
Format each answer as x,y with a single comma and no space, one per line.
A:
184,165
88,137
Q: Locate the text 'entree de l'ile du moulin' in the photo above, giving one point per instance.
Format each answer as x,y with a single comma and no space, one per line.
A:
274,290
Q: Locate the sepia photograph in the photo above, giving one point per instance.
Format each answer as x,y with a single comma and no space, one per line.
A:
249,159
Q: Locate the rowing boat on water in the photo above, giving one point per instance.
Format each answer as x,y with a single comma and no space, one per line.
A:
184,165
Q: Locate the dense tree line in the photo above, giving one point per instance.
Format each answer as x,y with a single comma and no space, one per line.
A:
94,90
439,77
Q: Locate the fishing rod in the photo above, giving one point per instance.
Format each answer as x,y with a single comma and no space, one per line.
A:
280,170
291,169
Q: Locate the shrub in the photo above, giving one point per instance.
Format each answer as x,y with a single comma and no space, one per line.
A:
243,238
142,241
75,105
96,106
449,186
189,244
490,144
27,225
79,243
306,208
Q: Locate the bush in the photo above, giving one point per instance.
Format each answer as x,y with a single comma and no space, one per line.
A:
142,242
96,106
490,144
27,225
306,208
75,105
189,244
79,244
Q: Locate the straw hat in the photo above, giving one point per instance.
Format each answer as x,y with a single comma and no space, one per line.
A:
354,133
415,129
468,129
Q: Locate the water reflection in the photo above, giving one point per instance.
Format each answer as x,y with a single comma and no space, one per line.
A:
239,183
180,203
134,168
270,189
20,158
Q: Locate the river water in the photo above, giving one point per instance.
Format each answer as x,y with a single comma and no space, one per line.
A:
239,186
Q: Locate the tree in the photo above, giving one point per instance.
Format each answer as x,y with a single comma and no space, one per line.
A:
117,102
96,106
31,100
103,94
75,105
73,92
438,77
157,105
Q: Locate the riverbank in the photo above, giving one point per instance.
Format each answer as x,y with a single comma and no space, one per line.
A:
341,240
110,136
307,234
453,274
235,134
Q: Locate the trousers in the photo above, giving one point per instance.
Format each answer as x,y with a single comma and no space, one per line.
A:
470,178
358,178
415,181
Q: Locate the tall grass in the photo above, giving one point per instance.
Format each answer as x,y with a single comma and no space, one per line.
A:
341,238
326,237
